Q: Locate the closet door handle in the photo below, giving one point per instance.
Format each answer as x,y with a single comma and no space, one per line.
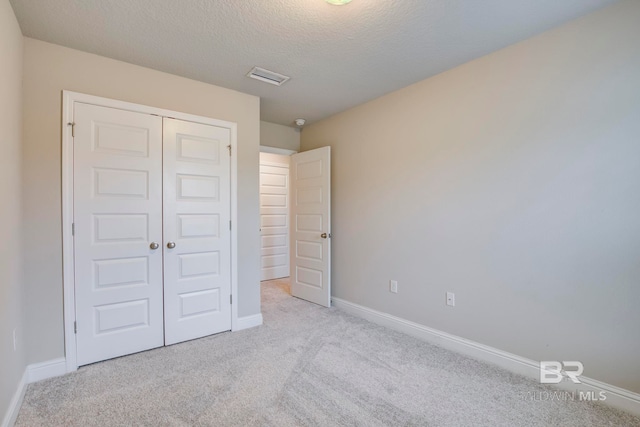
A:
171,245
154,245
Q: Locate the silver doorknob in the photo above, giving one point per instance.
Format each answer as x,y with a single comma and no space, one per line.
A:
154,245
171,245
323,235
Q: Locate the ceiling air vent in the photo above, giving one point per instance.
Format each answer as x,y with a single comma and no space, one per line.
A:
267,76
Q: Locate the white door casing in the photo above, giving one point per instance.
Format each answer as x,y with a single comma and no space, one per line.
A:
311,225
274,216
197,264
118,215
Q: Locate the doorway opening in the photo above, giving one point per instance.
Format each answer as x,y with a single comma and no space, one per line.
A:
295,212
274,216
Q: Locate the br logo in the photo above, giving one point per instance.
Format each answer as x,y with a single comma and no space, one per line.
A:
552,372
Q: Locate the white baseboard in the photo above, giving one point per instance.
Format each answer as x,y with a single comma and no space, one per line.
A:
49,369
615,396
32,373
248,322
16,402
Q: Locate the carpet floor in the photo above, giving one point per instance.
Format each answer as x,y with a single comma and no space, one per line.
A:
306,366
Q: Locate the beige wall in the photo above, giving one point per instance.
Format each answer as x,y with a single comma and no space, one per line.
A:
48,69
513,181
12,363
279,136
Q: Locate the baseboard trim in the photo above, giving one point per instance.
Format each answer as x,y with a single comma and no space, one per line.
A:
49,369
16,402
247,322
616,396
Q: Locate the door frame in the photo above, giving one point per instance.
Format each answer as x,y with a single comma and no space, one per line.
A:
68,267
276,150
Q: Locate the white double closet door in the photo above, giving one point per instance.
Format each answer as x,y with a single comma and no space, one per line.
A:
151,231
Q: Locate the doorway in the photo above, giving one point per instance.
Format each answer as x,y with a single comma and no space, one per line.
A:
274,216
295,211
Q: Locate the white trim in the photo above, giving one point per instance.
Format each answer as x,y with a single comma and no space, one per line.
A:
44,370
16,402
276,150
32,373
234,225
616,396
274,164
68,99
68,266
247,322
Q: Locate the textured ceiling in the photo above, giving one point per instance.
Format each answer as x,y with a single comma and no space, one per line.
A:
337,56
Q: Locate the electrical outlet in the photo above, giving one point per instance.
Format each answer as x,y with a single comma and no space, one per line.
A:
393,286
451,299
15,347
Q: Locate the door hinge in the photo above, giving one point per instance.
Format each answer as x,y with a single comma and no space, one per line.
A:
75,327
229,224
73,129
73,228
230,299
229,147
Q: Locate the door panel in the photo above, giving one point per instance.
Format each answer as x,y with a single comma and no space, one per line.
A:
274,216
311,232
197,271
117,214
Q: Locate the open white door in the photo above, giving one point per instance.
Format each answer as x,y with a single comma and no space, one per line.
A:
311,226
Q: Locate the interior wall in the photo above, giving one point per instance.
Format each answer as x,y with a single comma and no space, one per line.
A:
49,69
13,361
511,181
279,136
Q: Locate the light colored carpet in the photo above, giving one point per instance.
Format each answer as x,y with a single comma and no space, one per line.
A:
306,366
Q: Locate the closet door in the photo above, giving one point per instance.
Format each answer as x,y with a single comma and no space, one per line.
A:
118,222
197,256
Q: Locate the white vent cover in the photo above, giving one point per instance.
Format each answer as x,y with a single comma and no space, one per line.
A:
267,76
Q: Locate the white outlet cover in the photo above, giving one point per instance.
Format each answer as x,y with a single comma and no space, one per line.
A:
393,286
451,299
